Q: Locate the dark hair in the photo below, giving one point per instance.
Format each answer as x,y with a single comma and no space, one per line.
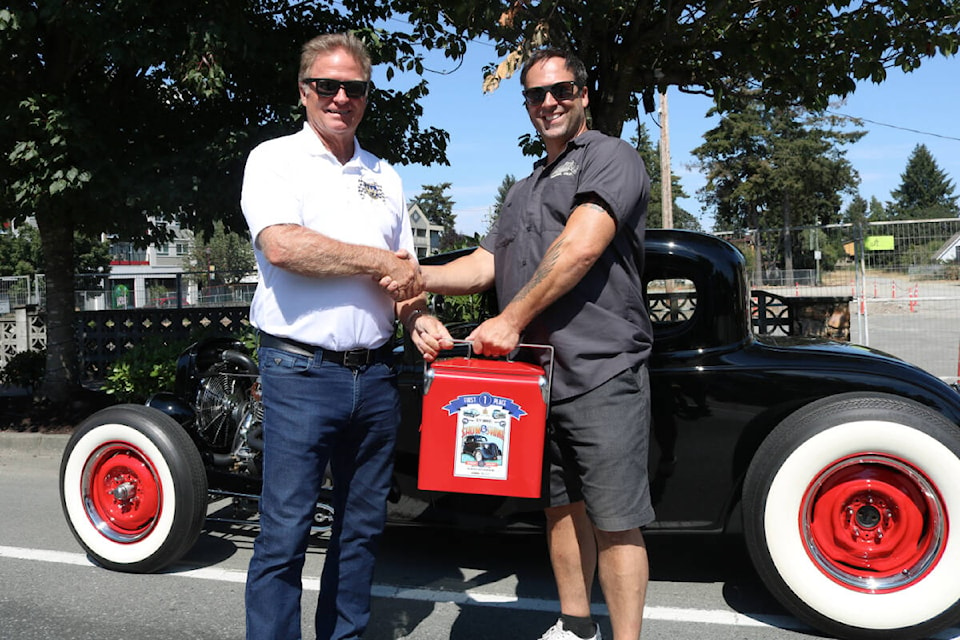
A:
330,42
573,64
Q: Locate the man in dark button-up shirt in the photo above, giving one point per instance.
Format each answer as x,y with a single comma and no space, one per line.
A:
566,256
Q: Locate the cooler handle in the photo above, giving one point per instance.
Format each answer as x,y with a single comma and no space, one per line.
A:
545,384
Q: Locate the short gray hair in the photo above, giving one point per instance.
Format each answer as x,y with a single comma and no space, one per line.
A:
331,42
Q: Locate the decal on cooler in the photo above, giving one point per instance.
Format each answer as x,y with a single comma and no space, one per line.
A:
483,434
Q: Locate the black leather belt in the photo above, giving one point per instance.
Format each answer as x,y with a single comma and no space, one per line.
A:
353,358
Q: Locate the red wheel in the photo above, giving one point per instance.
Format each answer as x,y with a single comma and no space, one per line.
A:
874,523
124,492
133,488
847,510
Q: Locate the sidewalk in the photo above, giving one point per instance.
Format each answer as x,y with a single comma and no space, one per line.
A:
28,443
35,444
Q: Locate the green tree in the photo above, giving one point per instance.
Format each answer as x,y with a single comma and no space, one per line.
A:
21,253
775,168
120,117
438,207
788,52
877,210
925,192
508,181
856,212
91,255
226,258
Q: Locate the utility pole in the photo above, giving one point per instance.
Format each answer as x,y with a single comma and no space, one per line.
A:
666,175
666,181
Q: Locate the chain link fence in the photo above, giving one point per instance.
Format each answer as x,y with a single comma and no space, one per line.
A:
150,290
154,290
902,279
20,291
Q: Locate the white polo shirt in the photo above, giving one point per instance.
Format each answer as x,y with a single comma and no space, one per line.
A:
295,179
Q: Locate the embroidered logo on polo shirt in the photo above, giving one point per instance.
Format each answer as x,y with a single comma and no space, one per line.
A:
370,190
568,168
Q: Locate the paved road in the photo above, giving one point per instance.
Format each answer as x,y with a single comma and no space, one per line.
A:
430,584
916,321
928,338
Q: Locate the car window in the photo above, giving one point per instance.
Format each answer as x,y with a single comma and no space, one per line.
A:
671,302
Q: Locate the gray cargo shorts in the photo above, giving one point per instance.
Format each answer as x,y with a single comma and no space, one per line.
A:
597,446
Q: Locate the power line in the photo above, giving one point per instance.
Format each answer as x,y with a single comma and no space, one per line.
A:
893,126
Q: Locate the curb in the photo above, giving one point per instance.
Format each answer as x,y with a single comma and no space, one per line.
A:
48,444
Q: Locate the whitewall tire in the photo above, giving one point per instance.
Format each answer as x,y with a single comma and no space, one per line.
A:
133,488
852,517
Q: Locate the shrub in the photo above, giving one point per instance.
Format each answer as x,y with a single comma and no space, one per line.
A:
149,367
25,369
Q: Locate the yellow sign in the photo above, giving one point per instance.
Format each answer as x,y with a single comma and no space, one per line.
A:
878,243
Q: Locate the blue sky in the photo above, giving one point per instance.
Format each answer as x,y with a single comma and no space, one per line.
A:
903,111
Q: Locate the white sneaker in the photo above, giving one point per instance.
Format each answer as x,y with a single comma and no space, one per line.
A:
557,632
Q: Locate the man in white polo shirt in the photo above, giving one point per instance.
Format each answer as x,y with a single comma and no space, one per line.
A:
327,221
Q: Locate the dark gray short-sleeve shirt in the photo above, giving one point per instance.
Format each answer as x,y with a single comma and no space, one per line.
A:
601,326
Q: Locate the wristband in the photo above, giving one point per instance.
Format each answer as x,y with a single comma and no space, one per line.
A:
412,318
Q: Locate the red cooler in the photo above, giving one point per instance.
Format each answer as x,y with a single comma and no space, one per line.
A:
483,426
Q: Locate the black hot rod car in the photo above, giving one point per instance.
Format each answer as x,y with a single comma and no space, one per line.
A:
840,465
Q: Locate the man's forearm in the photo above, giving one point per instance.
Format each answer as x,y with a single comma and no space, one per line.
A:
469,274
564,264
309,253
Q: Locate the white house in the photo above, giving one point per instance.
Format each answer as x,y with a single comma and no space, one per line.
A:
146,277
426,235
950,251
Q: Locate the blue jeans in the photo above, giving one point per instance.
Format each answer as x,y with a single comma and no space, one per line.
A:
317,412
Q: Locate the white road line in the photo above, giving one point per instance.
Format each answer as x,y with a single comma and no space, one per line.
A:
468,597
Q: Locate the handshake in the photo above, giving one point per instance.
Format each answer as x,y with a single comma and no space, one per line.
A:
403,281
402,278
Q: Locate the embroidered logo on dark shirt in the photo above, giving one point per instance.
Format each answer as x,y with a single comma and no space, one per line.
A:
568,168
370,190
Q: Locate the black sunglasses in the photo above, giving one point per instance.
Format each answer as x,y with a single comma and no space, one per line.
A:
327,88
534,96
